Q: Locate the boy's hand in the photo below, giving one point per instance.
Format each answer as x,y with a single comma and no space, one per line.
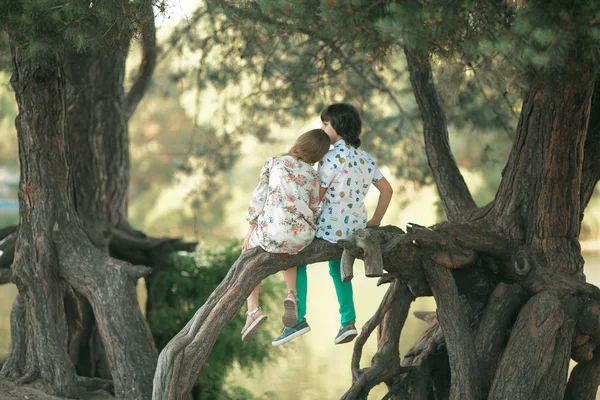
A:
373,223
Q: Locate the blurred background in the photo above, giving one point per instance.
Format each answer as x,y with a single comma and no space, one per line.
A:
198,141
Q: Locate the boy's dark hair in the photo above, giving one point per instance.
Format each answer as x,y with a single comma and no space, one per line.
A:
344,118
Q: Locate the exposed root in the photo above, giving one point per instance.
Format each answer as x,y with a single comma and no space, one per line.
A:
386,362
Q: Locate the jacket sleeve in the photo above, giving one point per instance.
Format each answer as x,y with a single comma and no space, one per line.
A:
315,204
260,193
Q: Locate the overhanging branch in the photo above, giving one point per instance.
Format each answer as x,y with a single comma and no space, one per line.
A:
451,186
144,76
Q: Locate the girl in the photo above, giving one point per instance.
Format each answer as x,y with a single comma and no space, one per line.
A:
283,211
346,173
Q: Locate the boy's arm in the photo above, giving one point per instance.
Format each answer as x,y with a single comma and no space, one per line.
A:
385,195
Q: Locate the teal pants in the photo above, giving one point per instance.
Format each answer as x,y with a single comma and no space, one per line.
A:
342,290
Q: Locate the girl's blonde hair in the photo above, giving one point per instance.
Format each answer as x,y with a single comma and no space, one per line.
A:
311,146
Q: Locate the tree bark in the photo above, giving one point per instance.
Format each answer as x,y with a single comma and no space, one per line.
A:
465,382
53,254
450,183
539,201
95,116
498,317
535,362
44,198
584,380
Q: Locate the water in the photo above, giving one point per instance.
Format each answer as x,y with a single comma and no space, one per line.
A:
312,366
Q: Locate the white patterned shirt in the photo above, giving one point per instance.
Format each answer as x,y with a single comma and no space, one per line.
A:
347,173
284,206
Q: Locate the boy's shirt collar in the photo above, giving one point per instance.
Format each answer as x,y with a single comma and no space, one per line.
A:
340,143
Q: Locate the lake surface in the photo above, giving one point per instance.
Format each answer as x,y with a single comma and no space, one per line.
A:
312,366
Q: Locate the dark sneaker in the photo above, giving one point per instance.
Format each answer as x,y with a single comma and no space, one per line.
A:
291,333
346,334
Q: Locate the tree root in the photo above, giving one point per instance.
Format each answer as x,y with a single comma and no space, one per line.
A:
499,315
465,382
537,353
584,380
15,363
390,317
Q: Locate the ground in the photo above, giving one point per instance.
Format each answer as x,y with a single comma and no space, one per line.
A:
11,391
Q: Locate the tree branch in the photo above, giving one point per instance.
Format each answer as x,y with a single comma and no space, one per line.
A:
451,186
6,231
182,359
390,317
415,384
144,76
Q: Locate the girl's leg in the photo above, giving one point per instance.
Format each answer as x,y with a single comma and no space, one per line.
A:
290,280
343,292
302,291
252,302
290,304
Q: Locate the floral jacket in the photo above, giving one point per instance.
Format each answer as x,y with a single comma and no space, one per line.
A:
285,205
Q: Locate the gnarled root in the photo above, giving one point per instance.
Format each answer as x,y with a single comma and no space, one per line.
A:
536,359
390,317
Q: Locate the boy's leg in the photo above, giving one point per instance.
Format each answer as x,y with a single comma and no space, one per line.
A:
301,291
344,293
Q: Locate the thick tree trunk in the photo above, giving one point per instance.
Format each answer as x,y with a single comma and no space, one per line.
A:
538,202
53,254
95,123
44,198
95,116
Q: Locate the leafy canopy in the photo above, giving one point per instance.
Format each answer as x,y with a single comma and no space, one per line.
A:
48,27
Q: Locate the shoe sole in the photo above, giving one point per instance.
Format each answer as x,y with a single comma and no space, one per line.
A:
346,337
290,313
253,328
292,336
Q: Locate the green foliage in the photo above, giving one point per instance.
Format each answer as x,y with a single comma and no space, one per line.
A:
44,27
181,289
298,57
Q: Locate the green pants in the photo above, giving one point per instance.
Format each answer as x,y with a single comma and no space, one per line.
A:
342,290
